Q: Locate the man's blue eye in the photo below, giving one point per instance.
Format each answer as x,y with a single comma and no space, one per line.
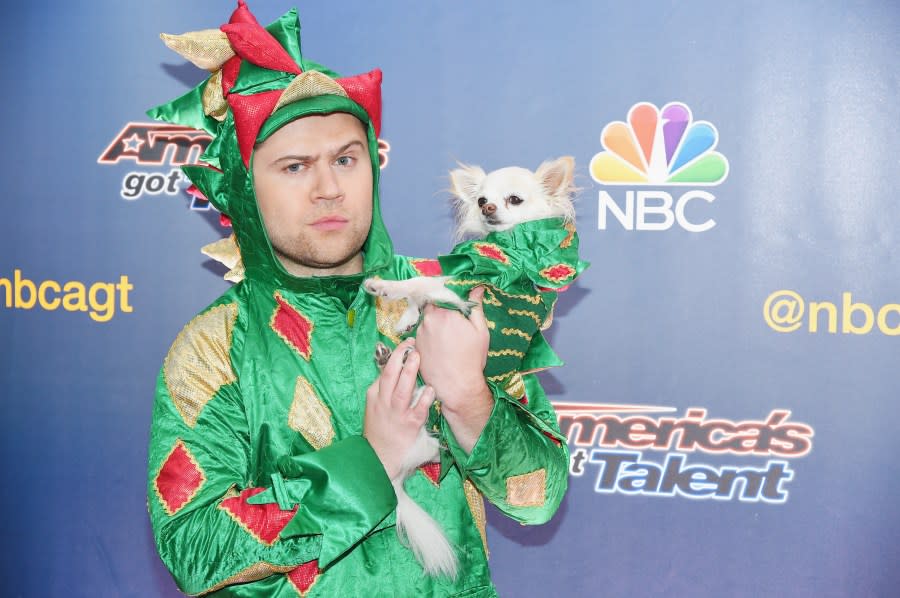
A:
345,161
293,168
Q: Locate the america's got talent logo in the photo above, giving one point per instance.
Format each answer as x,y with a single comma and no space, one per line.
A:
657,148
648,450
158,145
153,146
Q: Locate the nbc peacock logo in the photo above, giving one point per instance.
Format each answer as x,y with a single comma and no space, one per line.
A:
658,148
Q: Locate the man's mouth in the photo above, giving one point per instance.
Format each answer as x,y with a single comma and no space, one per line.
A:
330,223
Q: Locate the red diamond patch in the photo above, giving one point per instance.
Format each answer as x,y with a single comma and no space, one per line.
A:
491,251
293,327
426,267
558,273
264,522
304,576
178,479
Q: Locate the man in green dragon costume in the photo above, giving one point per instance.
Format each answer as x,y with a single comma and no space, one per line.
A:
274,435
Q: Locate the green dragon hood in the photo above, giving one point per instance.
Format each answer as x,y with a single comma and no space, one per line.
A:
261,82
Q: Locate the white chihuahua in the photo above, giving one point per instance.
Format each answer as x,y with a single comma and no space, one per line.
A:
485,203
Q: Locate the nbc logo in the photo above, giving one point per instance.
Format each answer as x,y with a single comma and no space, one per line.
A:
657,147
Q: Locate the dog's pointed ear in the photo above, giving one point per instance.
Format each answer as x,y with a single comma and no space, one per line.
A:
556,176
465,182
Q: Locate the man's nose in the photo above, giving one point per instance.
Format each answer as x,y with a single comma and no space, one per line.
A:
488,209
328,186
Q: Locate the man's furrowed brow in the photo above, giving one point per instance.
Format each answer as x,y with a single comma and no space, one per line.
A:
313,157
348,145
294,158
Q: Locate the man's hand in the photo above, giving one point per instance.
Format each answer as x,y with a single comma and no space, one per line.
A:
391,425
454,351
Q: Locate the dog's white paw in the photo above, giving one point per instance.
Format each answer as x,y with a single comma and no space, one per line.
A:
377,287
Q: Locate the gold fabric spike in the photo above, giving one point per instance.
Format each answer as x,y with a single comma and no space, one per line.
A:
527,490
226,252
251,573
548,321
198,364
310,416
569,226
307,85
214,103
208,48
476,506
516,386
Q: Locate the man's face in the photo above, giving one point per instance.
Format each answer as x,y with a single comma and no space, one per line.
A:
313,181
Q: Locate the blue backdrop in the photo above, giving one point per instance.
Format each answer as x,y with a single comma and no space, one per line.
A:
731,382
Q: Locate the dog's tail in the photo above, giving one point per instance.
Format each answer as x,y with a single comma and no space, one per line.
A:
423,536
415,528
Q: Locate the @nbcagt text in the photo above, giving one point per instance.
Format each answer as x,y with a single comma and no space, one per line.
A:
98,299
788,311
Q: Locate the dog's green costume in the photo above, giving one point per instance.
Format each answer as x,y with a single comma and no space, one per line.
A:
260,483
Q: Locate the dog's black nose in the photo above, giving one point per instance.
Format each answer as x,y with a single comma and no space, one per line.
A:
488,209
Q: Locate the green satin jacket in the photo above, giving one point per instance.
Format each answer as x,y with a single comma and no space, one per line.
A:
268,381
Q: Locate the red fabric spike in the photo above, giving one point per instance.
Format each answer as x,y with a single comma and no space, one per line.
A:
559,290
230,71
264,522
250,112
551,437
193,191
242,14
304,576
293,327
224,220
365,90
426,267
432,471
254,44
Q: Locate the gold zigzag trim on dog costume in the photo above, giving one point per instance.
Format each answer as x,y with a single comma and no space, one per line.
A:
507,353
525,312
515,332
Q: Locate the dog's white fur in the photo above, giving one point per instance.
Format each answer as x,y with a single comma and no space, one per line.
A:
545,193
484,203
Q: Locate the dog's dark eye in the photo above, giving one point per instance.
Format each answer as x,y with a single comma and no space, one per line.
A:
515,200
482,201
